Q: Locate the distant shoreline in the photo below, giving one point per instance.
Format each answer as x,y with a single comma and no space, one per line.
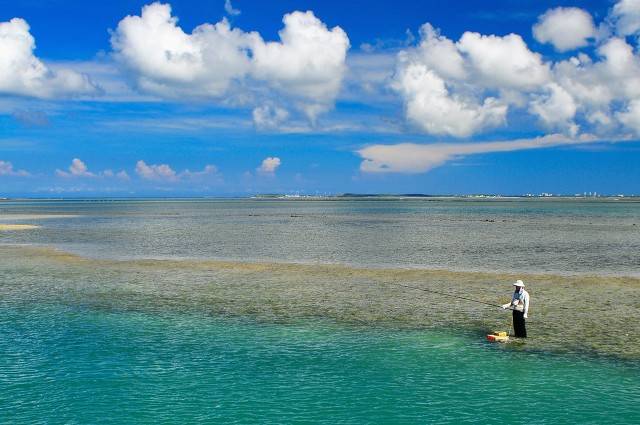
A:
347,196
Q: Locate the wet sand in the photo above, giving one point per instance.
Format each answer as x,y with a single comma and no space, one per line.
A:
591,315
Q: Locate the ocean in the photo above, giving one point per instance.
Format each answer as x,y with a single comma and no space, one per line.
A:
318,311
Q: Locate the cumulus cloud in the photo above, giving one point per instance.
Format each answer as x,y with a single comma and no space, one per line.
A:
566,28
166,61
6,169
269,165
556,108
155,171
164,172
22,73
440,53
631,116
448,87
625,16
486,61
431,107
307,64
460,88
79,169
599,87
504,62
411,158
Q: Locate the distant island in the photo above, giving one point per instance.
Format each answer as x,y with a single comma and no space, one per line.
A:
586,195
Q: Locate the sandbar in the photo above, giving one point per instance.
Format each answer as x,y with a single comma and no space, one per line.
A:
17,227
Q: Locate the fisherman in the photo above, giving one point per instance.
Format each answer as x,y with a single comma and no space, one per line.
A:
520,306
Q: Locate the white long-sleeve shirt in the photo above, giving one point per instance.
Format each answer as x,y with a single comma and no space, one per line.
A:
521,298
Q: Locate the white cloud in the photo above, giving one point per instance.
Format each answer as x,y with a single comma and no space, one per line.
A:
462,88
308,63
155,171
631,116
598,88
585,81
459,89
22,73
228,7
566,28
269,165
504,62
430,105
625,16
77,169
440,54
556,108
166,61
412,158
215,60
163,172
269,116
621,68
6,169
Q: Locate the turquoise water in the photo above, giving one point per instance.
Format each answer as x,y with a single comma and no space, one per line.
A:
83,366
106,336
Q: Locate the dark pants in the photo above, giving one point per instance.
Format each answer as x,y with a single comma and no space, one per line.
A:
518,324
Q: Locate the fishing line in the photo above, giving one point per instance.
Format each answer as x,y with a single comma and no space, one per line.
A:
446,294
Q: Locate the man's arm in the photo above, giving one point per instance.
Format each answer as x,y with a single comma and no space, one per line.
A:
526,305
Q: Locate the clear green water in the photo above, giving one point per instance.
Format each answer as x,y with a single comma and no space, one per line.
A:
105,336
62,365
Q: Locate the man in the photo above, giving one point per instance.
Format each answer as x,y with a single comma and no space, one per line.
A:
520,306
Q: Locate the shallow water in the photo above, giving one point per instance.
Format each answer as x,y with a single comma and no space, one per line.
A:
84,366
93,329
535,236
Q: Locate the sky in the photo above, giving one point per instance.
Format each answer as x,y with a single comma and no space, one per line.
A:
239,97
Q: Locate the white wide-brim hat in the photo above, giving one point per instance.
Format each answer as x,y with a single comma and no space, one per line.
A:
519,283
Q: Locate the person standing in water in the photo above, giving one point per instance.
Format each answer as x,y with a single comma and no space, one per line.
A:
520,306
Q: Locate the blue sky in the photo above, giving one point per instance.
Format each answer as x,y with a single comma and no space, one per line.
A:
133,98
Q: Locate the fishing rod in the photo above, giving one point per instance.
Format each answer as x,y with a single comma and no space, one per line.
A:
446,294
